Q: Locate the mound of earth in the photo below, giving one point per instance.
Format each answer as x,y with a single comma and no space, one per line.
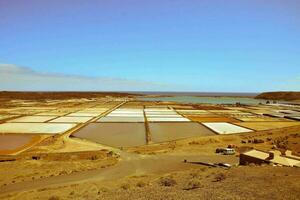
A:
288,96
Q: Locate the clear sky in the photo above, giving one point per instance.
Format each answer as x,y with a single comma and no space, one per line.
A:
153,45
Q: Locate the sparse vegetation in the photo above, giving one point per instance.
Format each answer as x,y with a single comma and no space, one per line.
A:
125,186
195,174
219,177
54,198
141,184
167,181
193,184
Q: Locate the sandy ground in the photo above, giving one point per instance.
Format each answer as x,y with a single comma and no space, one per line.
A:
129,165
32,170
198,182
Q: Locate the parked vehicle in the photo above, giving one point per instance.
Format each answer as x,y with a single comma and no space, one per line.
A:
229,151
220,150
225,151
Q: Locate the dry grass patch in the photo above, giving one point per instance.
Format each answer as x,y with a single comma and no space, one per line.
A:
167,181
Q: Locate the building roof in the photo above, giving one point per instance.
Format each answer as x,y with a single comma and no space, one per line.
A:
288,160
257,154
285,161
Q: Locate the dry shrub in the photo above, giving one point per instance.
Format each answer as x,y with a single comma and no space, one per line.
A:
219,177
53,198
211,140
167,181
195,174
94,157
203,169
193,184
103,189
63,172
141,184
194,143
125,186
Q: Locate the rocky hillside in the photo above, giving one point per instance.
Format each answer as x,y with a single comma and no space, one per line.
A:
288,96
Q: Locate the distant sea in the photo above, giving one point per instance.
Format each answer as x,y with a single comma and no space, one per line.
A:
201,94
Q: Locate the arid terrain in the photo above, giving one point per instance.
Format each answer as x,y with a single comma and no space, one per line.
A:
113,146
289,96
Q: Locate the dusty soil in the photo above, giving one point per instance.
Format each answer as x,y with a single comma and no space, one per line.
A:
31,170
257,182
56,156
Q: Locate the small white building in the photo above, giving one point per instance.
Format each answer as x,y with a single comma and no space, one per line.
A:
275,157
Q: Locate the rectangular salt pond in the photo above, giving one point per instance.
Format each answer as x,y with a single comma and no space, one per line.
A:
157,110
51,113
121,119
72,119
261,126
114,134
161,116
90,112
94,110
170,119
224,111
125,115
288,112
161,132
12,142
127,110
80,114
194,112
212,119
295,118
3,117
260,119
42,128
33,119
226,128
162,113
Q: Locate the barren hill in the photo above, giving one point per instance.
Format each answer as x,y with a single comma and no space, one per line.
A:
288,96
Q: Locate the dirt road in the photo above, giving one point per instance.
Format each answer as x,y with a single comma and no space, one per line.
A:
129,165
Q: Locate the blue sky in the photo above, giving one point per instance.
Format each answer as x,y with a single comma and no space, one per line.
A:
157,45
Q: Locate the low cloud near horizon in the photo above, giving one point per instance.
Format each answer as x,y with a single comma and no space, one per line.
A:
18,78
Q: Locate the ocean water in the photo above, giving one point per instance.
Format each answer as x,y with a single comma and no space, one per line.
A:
208,100
199,94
